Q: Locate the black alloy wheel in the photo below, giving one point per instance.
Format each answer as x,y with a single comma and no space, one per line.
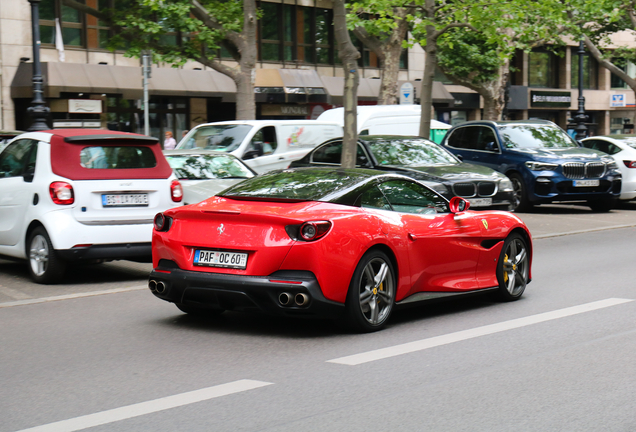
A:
520,201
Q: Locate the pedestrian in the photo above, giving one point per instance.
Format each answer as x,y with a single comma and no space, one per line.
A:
184,133
169,143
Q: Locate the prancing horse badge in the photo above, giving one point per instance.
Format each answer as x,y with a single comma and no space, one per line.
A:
485,222
221,228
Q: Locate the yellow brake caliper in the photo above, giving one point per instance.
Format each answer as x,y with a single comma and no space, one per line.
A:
505,275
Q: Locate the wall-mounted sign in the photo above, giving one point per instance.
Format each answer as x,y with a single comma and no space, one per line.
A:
465,101
618,100
549,99
285,110
85,106
407,94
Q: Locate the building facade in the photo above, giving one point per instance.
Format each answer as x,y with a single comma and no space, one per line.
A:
298,76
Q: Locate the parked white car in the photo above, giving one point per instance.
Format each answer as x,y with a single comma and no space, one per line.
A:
204,173
623,149
81,194
264,145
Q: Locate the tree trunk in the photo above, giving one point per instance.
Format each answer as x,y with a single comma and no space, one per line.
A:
349,56
245,101
430,63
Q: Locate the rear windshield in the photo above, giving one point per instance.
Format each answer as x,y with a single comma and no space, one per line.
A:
225,138
112,157
301,184
205,166
528,136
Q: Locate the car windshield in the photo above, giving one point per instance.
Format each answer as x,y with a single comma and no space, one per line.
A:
206,166
301,184
116,157
410,152
224,138
531,136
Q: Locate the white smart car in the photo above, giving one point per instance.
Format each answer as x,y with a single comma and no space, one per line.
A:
623,149
80,194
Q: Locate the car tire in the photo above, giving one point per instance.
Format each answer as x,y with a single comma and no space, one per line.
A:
198,311
45,266
520,201
371,294
513,268
602,205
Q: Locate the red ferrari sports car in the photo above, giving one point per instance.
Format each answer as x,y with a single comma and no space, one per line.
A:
333,242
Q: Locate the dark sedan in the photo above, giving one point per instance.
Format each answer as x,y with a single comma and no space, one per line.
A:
425,161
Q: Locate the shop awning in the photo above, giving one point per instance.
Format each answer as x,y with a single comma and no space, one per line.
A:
124,80
368,89
289,85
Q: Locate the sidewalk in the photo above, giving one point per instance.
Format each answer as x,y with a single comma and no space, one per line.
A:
556,220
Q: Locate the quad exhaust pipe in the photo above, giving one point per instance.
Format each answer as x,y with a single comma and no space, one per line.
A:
157,286
287,299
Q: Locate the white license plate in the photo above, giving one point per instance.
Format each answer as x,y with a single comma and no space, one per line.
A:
479,202
586,183
220,259
125,200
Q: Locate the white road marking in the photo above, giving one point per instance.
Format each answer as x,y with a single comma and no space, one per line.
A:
71,296
135,410
450,338
14,294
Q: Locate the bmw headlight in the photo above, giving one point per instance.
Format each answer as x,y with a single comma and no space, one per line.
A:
437,187
611,163
505,185
541,166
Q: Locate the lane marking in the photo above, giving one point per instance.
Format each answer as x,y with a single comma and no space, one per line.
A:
585,231
139,409
450,338
71,296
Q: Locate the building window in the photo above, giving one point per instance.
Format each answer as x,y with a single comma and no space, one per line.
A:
590,71
629,68
78,29
543,69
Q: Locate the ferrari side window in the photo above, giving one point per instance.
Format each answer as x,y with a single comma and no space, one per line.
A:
373,198
410,197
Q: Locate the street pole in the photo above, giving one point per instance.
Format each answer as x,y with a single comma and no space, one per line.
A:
38,111
581,118
146,74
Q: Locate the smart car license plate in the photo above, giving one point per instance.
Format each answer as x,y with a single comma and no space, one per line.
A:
480,202
125,200
586,183
220,259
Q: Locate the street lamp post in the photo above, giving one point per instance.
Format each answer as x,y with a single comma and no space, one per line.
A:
581,118
38,109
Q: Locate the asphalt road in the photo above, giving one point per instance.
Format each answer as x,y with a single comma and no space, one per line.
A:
560,359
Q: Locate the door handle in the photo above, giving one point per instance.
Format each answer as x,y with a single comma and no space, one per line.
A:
281,158
412,237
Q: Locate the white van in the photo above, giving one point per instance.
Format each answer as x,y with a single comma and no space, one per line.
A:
264,145
388,120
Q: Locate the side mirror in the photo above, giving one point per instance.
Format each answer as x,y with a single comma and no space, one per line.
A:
250,155
460,157
458,204
492,146
258,147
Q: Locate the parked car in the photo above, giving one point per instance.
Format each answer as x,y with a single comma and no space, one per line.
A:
332,242
388,120
81,194
264,145
543,162
623,149
204,173
423,160
6,136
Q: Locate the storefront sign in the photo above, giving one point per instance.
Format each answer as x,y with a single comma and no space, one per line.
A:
466,101
85,106
618,100
285,110
550,99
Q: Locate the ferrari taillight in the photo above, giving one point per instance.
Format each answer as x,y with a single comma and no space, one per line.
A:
313,230
630,164
61,193
176,191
